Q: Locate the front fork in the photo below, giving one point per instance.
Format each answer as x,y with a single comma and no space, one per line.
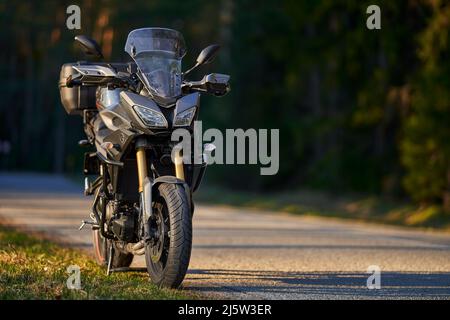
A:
145,184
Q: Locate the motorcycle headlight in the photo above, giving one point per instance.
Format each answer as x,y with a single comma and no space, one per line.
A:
151,118
184,118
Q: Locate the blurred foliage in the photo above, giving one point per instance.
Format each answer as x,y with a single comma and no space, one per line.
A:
426,146
358,109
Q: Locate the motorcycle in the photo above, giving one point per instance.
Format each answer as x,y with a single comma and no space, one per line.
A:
142,189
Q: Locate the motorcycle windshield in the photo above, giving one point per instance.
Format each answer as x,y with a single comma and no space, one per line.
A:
158,53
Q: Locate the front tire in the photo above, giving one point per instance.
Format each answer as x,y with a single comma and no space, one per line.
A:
168,258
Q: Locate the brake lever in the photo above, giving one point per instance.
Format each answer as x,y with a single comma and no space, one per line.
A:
215,84
189,86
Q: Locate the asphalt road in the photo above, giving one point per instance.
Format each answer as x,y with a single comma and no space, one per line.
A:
245,254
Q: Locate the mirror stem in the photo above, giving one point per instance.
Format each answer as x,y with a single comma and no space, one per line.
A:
191,69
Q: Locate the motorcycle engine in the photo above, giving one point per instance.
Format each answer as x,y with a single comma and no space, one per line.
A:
123,224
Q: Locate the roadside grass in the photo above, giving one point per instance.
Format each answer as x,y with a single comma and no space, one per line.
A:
322,204
315,203
34,268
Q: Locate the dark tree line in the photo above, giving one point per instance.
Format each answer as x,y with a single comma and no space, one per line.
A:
357,109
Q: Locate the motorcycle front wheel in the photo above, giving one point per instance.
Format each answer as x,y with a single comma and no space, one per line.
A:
167,257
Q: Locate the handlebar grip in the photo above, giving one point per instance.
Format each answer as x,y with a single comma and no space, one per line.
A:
70,82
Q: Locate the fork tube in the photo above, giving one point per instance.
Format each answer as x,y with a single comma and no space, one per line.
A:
141,166
179,170
145,185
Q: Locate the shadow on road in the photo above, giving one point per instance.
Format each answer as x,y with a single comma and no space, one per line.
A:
318,246
334,285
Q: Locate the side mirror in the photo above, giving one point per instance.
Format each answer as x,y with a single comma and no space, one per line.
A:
89,46
206,56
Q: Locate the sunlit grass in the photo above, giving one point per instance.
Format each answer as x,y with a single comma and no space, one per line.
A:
32,268
315,203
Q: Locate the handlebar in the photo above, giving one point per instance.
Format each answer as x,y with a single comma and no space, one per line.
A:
214,83
79,80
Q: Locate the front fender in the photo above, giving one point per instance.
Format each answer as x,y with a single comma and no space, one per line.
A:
173,180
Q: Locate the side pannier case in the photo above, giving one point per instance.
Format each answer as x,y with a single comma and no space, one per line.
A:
75,99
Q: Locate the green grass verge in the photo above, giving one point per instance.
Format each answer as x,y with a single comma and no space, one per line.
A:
33,268
314,203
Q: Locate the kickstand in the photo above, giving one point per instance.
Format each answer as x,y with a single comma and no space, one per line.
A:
110,259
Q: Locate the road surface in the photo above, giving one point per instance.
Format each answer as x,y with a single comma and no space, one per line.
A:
246,254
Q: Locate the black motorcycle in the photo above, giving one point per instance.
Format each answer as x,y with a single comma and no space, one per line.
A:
142,188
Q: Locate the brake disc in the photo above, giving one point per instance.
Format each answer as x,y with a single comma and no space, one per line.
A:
157,246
